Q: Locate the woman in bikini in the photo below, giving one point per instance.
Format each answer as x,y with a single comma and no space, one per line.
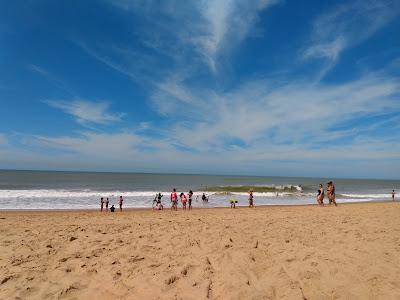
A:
331,193
183,200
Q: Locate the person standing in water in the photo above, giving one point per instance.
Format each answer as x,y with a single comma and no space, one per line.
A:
107,201
101,203
121,201
174,200
190,195
331,193
183,200
393,193
321,195
251,199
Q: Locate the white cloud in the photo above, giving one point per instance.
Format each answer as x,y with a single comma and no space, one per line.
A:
347,26
87,112
225,24
206,28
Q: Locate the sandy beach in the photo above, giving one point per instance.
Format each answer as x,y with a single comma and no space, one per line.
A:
281,252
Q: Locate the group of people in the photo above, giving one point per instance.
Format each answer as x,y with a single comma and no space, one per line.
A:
185,199
330,191
233,202
105,202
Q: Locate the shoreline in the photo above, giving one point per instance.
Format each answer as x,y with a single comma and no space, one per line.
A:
132,209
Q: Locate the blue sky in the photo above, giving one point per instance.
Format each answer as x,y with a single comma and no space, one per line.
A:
255,87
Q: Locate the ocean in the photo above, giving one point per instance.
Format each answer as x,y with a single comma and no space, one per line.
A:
82,190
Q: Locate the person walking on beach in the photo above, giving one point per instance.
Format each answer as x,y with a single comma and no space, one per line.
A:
321,195
183,200
331,193
101,203
107,201
251,199
190,195
393,193
121,200
174,200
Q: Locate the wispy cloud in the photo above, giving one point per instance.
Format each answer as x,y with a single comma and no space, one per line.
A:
87,112
225,23
207,29
51,78
347,26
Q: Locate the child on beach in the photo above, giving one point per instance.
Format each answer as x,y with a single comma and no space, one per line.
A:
112,208
107,201
251,197
190,195
174,200
331,193
233,203
183,200
101,203
321,195
120,203
393,193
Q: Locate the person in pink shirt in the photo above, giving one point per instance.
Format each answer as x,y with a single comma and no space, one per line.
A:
183,200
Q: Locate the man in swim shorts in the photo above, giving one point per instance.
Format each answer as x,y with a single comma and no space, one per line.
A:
101,203
120,203
251,199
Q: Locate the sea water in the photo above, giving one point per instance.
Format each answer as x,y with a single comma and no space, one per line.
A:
82,190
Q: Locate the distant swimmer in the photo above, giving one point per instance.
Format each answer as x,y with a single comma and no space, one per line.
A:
107,201
331,193
190,195
121,201
321,195
393,193
101,203
174,200
112,208
233,203
183,200
251,199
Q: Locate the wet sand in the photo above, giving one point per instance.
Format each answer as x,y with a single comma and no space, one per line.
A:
297,252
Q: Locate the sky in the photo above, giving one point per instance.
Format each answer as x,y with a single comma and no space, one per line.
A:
251,87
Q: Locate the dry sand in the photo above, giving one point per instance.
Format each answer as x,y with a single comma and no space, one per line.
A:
298,252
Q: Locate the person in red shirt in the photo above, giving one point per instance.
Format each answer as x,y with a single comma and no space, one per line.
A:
174,200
